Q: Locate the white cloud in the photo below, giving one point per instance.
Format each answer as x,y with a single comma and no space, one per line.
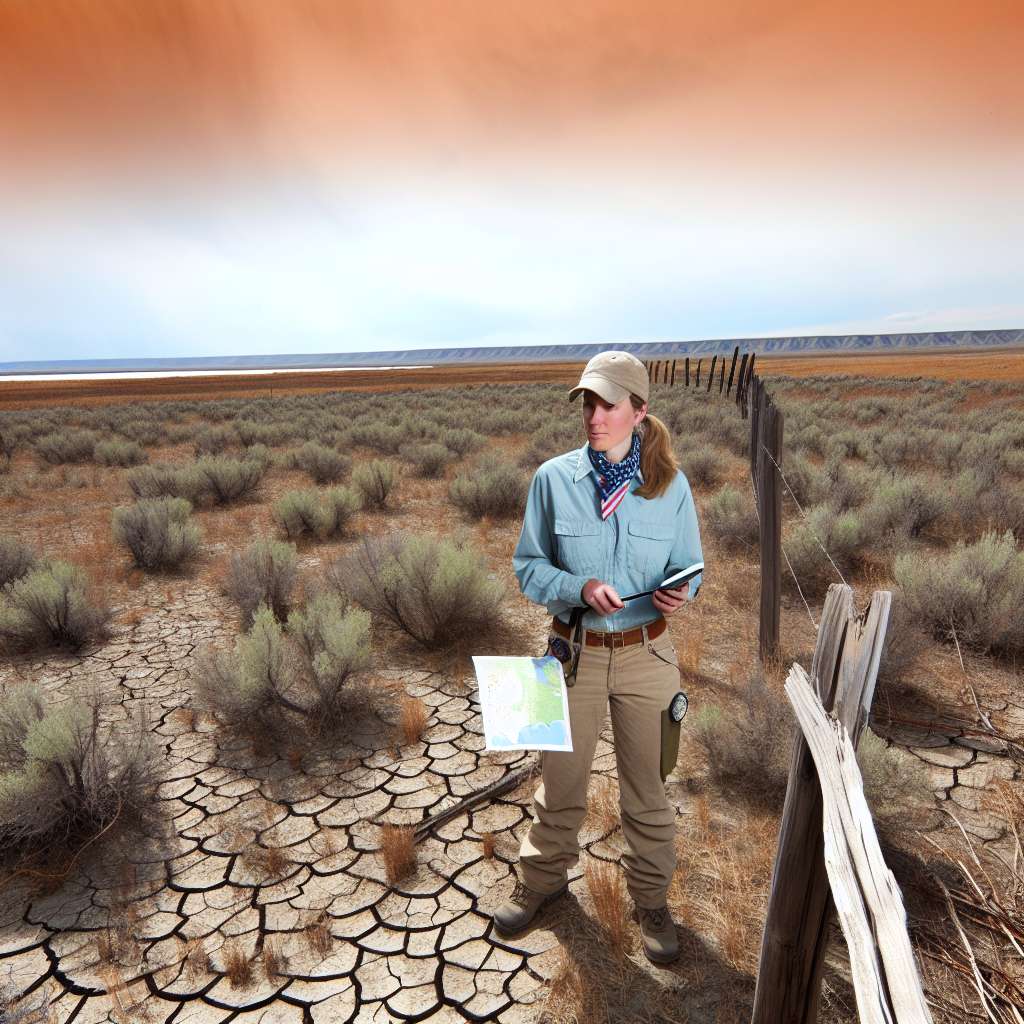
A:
289,268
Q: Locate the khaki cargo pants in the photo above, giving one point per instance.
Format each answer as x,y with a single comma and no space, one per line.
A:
637,685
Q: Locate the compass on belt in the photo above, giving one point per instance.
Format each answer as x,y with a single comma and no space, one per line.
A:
677,707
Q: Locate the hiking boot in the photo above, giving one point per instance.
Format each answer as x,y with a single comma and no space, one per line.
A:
521,908
658,932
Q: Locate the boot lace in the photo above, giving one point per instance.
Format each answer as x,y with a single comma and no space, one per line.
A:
520,894
656,917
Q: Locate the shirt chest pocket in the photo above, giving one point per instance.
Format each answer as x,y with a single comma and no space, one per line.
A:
650,545
579,546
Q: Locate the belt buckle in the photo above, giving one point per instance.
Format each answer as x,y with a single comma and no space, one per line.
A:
616,639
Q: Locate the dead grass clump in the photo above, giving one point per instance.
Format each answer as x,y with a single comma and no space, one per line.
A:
117,945
266,862
610,905
194,957
275,963
326,843
690,651
318,935
747,747
973,931
488,840
722,878
237,965
575,992
414,719
603,804
398,849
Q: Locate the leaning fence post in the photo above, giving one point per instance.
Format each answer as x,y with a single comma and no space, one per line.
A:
843,671
711,374
732,369
686,370
698,372
739,380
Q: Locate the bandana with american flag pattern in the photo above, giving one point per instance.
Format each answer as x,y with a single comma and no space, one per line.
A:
613,477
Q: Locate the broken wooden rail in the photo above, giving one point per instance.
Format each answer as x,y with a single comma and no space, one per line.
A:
816,868
867,897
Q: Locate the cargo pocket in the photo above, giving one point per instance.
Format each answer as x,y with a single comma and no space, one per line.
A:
650,545
578,543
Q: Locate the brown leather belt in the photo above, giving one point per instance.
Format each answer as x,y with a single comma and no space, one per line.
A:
623,638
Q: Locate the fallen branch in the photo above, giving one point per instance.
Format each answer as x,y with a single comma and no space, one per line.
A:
471,800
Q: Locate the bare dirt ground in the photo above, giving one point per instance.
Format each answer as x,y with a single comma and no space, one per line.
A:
423,949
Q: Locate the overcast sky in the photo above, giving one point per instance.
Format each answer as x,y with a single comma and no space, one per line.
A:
198,178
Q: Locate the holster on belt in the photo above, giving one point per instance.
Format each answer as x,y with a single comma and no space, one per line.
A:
575,645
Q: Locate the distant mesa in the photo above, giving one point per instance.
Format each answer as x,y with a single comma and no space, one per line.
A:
823,344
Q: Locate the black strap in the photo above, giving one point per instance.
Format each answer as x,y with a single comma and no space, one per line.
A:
575,639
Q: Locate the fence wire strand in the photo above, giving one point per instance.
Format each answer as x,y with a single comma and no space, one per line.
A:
804,514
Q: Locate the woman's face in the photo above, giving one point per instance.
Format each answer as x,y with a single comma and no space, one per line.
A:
607,425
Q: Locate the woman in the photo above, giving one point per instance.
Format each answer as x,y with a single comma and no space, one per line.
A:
606,519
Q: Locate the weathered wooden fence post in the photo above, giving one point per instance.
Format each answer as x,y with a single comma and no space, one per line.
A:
800,906
739,385
698,372
721,375
732,370
711,374
672,379
766,423
686,370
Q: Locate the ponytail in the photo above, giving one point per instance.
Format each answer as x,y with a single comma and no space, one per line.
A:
658,461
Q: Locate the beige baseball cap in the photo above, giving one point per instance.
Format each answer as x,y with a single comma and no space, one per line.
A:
613,375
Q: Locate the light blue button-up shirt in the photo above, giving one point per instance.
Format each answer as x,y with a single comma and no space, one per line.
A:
564,541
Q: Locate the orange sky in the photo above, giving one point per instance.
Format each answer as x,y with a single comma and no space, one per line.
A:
201,88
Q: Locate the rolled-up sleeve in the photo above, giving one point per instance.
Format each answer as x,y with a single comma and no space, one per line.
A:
533,560
686,548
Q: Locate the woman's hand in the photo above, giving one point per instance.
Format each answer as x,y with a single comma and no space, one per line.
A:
669,601
602,597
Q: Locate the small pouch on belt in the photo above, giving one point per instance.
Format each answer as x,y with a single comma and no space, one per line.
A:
671,718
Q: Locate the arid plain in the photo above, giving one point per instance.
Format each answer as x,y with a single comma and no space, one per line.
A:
261,888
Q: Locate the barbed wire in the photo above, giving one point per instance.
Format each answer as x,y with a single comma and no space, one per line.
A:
804,514
817,540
